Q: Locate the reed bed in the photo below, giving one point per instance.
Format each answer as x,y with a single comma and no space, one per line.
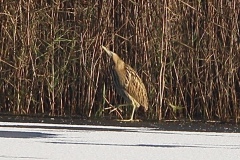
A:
187,53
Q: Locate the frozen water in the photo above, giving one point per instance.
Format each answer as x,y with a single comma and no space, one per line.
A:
57,141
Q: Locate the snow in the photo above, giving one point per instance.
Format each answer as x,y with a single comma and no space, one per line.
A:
58,141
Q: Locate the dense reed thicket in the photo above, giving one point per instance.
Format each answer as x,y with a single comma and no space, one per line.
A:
187,53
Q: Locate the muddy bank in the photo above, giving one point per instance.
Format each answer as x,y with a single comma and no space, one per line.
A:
196,126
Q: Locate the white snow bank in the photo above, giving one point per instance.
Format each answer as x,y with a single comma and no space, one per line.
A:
57,141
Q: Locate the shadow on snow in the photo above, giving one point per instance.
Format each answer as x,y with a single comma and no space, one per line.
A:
153,145
20,134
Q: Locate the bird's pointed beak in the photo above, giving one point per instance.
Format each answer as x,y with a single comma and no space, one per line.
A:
108,51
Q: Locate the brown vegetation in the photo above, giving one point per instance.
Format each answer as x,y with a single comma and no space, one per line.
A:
187,53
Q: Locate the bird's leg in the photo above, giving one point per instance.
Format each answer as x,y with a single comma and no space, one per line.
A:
131,119
116,108
134,107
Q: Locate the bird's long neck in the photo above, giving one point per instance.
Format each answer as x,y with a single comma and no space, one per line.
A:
118,62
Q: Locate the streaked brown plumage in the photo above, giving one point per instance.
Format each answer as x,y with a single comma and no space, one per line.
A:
127,83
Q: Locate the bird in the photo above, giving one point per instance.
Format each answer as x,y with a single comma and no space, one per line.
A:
128,84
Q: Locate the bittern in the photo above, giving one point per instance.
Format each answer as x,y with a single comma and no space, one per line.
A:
128,84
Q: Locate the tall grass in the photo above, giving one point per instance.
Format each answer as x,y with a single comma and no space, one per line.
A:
187,53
